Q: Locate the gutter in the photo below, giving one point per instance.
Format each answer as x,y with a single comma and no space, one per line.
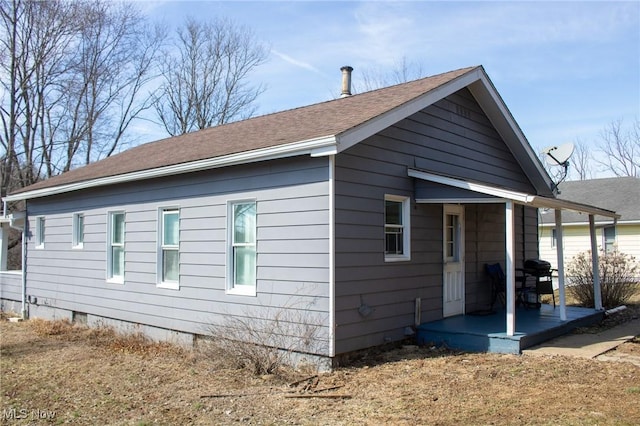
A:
318,147
599,223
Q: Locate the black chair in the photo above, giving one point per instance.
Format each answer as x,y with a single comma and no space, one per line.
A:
498,283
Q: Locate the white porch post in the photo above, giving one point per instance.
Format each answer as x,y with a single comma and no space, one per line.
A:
560,250
510,268
597,293
4,237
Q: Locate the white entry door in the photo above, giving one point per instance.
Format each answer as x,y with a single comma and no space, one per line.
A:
453,255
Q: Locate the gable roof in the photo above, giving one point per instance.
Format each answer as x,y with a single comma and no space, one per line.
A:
320,129
620,194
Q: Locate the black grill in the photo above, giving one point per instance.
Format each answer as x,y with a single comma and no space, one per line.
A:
537,267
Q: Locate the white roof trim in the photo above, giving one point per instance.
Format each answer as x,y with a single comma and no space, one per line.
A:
15,220
315,147
352,136
489,100
597,223
515,196
503,121
478,200
470,186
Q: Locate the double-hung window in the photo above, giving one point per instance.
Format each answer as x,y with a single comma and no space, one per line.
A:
242,248
40,232
397,236
609,238
115,249
169,248
78,230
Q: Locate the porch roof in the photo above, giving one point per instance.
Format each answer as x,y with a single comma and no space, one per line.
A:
497,195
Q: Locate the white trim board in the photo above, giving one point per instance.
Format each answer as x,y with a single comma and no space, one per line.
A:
314,147
507,194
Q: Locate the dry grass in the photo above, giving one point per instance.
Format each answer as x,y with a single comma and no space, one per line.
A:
55,372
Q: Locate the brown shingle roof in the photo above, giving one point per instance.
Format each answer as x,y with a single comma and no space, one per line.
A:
323,119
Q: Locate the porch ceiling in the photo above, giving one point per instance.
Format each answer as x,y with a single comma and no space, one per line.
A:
501,195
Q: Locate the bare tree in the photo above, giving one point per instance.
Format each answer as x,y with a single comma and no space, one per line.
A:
73,76
35,36
205,76
621,148
581,160
402,72
113,60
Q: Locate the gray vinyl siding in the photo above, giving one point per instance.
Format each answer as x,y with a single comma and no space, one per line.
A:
451,137
11,286
485,244
292,244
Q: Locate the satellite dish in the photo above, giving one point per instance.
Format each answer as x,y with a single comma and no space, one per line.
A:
559,155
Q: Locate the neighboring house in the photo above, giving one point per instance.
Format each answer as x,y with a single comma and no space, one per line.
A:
621,194
355,219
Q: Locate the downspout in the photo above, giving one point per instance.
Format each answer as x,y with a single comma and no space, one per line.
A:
332,254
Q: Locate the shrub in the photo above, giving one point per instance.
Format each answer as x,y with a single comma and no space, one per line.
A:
262,339
618,278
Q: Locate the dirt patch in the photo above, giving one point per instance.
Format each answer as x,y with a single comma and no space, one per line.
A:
54,373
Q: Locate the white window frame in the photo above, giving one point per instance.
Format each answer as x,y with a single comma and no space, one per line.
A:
405,228
77,229
604,238
40,232
118,279
162,247
232,288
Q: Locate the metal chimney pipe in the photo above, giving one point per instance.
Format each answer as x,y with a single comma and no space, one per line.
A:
346,81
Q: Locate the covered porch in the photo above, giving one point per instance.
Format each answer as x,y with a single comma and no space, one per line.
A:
488,332
510,329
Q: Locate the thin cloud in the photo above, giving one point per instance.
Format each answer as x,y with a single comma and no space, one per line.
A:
295,62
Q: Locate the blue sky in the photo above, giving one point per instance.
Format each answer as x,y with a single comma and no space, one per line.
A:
565,69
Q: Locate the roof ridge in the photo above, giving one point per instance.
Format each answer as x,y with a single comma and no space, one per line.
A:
355,95
465,69
292,127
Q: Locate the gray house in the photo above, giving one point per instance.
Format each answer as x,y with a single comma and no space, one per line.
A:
358,218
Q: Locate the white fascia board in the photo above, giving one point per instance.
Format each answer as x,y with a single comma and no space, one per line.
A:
506,194
479,200
359,133
599,223
501,193
316,147
577,224
557,204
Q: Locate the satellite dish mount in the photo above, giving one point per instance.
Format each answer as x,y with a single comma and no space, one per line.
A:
559,156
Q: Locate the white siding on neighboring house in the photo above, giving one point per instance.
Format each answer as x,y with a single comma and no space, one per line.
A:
577,239
628,239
